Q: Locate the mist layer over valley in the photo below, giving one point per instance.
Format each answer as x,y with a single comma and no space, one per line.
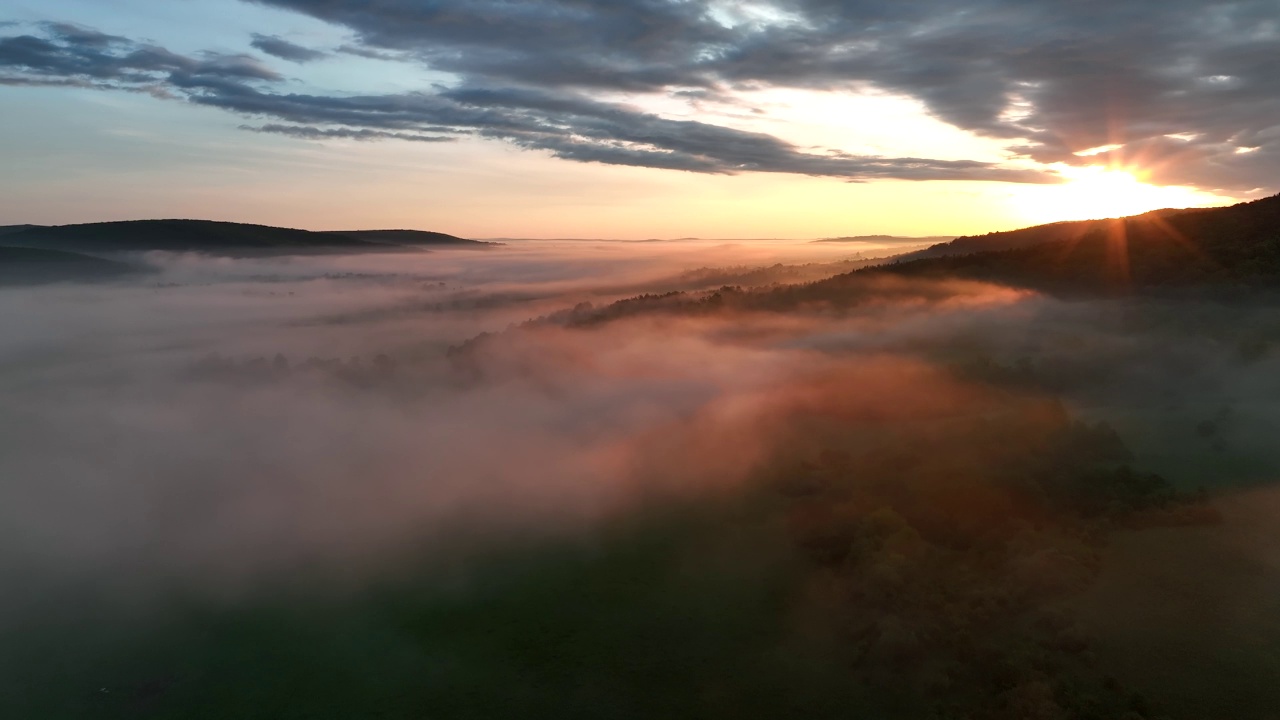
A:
225,367
624,479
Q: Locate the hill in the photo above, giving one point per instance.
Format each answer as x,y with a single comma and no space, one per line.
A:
1237,245
1027,237
10,229
30,266
218,238
1213,248
887,239
408,238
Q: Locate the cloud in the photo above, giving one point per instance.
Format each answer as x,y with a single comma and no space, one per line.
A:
370,53
578,128
69,54
1184,88
568,123
285,50
635,44
1062,77
305,132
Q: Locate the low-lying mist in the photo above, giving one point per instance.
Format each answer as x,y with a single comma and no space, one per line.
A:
222,431
224,415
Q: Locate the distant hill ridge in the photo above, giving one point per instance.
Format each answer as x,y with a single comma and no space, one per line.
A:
1239,244
403,237
1027,237
1210,250
888,239
215,237
10,229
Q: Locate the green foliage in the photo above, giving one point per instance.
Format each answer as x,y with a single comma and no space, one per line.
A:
938,556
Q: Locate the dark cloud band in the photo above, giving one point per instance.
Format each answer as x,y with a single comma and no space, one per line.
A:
304,132
565,122
285,50
1060,76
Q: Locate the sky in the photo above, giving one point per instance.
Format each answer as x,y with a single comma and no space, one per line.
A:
635,118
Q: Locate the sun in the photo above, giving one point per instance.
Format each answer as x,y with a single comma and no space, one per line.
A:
1096,191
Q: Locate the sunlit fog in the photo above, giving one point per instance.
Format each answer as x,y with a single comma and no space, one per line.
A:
639,360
